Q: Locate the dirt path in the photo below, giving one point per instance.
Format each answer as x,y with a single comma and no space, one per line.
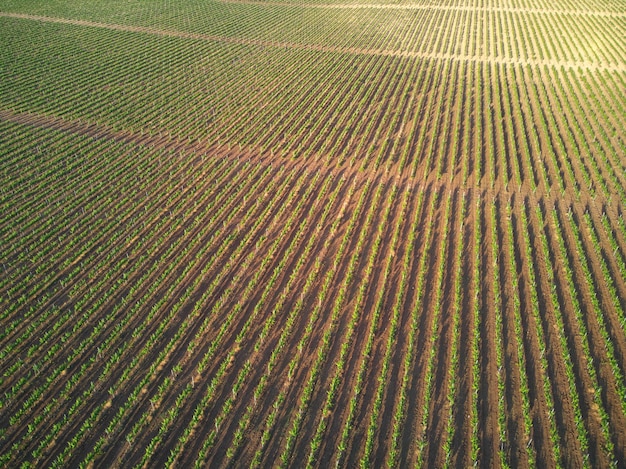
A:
566,64
203,147
431,7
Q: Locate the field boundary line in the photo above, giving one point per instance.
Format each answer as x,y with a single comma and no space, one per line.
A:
155,141
97,130
321,48
390,6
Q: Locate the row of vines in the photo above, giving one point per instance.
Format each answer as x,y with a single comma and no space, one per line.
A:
309,245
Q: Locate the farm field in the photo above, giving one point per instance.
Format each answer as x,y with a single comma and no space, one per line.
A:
312,234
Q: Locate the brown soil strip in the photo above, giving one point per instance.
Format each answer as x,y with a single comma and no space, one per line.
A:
584,65
430,7
382,174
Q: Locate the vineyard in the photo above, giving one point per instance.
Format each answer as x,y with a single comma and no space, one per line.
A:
326,233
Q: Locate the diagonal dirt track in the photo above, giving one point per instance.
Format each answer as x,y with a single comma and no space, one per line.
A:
205,147
566,64
431,7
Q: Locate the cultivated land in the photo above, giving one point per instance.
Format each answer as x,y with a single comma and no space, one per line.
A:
247,233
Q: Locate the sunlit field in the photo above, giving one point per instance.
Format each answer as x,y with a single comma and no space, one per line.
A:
312,234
